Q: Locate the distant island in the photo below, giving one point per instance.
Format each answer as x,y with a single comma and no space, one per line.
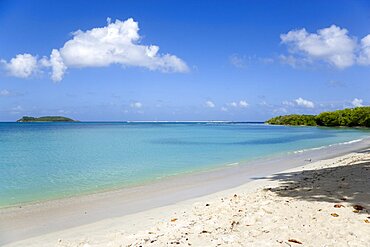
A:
46,119
350,117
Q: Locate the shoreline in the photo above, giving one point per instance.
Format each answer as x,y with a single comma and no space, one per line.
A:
210,169
34,219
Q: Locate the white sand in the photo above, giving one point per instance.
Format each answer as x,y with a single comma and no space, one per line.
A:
306,206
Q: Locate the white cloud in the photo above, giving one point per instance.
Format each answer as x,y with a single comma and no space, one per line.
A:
236,104
364,57
288,103
57,65
116,43
233,104
210,104
224,109
332,44
299,102
4,92
136,105
357,102
304,103
243,104
264,103
22,65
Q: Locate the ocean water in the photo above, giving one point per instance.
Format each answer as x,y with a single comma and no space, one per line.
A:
41,161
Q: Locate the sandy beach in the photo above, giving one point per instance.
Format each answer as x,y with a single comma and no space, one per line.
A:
184,123
322,203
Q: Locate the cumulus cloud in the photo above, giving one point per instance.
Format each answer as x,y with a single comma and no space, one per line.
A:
304,103
332,45
357,102
210,104
22,65
224,109
233,104
299,102
364,57
136,105
243,104
116,43
57,65
236,104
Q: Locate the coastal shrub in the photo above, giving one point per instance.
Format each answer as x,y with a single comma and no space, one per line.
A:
45,119
355,117
293,119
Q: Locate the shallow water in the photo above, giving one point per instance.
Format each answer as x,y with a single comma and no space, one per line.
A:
40,161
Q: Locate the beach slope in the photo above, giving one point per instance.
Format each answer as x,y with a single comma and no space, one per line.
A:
324,203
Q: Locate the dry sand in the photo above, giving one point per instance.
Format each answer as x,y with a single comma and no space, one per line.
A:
324,203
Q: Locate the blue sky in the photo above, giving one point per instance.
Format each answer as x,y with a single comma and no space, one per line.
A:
217,60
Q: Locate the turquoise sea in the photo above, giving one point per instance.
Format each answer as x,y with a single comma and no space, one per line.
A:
41,161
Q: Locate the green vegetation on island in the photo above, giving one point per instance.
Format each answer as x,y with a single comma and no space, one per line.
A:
46,119
293,119
351,117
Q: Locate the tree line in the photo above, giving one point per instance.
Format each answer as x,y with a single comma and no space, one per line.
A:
350,117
